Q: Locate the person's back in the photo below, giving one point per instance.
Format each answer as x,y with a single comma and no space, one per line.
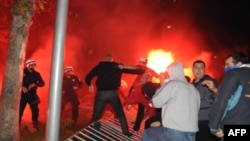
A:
108,76
231,106
180,102
239,114
107,73
181,110
108,81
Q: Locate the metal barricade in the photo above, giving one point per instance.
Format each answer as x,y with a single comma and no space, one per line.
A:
110,130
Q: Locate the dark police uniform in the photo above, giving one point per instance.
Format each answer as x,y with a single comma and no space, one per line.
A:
31,96
70,95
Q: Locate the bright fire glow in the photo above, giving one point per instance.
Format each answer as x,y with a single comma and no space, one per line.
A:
159,60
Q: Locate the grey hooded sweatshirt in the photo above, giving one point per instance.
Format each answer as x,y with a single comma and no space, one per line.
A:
179,100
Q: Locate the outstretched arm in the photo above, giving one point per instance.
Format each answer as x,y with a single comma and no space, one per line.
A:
131,69
128,67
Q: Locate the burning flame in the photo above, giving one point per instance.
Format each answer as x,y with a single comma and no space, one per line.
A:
159,60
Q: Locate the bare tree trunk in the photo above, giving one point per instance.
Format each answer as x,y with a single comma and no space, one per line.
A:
22,11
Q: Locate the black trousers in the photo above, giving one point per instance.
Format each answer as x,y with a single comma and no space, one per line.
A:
109,96
139,117
33,101
204,134
74,101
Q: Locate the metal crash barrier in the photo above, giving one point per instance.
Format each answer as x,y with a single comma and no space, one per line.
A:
110,130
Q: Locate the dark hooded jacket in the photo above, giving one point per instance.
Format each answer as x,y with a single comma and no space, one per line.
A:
240,113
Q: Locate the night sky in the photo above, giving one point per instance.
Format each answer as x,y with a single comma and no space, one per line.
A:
228,20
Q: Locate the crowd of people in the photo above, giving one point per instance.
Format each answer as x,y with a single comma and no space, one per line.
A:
184,109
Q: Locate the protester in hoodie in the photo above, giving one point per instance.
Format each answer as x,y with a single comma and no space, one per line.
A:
207,99
108,81
232,103
149,89
180,103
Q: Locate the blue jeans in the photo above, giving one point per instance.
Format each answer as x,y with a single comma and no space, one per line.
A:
167,134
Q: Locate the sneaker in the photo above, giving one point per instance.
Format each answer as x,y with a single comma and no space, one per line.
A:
135,128
128,134
35,124
96,125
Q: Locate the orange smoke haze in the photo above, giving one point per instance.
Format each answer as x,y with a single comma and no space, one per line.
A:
163,30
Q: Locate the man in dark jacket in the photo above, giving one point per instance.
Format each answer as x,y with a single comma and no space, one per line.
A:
31,80
108,81
207,99
232,104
